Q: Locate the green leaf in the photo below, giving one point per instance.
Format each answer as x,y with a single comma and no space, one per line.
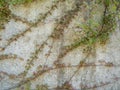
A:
107,2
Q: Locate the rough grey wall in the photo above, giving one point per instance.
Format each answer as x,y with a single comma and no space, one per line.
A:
33,54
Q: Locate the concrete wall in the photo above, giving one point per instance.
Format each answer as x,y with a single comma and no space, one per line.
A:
32,50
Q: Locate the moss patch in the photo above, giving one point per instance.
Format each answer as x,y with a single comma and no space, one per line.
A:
5,13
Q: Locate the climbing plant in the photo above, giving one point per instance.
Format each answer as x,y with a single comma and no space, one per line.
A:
97,30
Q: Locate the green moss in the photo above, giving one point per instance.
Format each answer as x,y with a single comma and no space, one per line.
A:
14,2
5,13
